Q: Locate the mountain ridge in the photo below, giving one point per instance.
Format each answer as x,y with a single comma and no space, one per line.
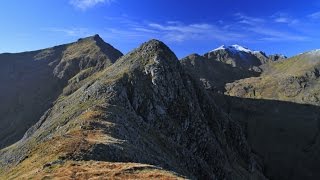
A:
141,103
147,111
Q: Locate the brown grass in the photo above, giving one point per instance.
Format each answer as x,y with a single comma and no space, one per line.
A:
105,170
46,152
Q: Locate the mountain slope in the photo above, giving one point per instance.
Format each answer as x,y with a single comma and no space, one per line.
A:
285,134
213,74
31,81
144,108
296,80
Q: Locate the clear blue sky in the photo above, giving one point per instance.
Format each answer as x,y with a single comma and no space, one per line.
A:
287,27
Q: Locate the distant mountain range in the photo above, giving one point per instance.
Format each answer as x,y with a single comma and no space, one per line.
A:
84,110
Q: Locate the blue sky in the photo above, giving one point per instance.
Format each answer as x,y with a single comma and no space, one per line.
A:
287,27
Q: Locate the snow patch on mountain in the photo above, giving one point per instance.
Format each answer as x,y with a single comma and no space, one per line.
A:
240,48
236,48
314,52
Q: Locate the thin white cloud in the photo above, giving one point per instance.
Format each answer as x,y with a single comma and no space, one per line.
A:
315,15
74,32
86,4
244,19
179,32
191,28
275,35
281,17
169,31
270,28
142,29
241,28
174,22
281,20
286,20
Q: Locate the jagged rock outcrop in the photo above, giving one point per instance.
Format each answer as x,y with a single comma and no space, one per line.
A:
144,108
31,81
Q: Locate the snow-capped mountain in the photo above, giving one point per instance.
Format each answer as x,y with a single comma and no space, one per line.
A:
240,56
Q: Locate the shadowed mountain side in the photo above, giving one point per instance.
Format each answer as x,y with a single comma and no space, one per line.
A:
28,88
214,74
31,81
286,135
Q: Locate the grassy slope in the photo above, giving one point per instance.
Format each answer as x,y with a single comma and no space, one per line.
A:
296,80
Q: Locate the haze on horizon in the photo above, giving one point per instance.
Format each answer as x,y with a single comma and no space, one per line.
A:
287,27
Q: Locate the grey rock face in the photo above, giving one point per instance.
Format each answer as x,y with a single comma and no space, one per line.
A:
240,59
213,73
